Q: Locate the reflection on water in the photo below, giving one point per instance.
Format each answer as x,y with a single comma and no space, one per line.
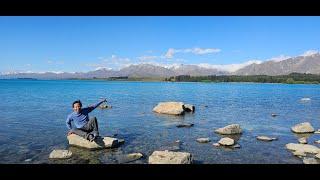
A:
34,112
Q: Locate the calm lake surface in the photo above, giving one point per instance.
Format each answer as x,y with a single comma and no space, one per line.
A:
33,115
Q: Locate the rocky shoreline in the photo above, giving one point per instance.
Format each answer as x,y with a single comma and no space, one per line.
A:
308,153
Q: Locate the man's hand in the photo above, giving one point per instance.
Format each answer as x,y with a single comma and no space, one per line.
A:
104,99
69,133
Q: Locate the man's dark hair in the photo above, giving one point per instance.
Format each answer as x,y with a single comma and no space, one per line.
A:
77,101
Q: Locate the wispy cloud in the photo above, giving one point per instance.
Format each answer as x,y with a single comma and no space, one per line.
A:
310,52
112,62
229,67
147,58
52,62
197,51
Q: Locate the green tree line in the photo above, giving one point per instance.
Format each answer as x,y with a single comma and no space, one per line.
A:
293,78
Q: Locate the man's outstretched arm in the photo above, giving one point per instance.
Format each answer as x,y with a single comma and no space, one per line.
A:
92,107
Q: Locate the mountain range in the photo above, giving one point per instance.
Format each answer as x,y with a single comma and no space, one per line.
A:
300,64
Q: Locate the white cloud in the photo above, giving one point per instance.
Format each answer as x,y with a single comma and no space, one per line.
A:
170,53
200,51
229,67
112,62
55,62
310,52
102,67
147,58
197,51
279,58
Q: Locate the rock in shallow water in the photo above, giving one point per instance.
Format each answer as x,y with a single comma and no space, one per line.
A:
185,125
310,161
226,141
171,108
265,138
203,140
129,157
230,129
99,143
306,148
169,157
299,153
303,140
305,127
189,107
60,154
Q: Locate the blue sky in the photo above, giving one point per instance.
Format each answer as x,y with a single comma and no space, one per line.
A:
74,44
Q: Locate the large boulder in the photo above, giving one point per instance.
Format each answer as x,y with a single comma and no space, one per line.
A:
60,154
169,157
306,148
99,143
230,129
303,128
172,108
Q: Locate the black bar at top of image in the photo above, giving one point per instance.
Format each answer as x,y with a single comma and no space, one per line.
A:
159,7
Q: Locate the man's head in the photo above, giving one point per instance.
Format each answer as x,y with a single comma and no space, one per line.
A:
76,105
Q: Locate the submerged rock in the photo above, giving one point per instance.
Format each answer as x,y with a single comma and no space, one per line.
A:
60,154
265,138
305,99
99,143
226,141
189,108
184,125
203,140
303,140
104,106
236,146
303,128
299,153
120,141
169,157
216,144
306,148
171,108
310,161
274,115
230,129
28,160
129,157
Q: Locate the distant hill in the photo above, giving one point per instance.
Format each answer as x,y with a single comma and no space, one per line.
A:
301,64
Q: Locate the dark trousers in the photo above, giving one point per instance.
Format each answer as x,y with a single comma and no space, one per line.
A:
90,128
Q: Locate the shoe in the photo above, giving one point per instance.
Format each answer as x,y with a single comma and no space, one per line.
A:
91,137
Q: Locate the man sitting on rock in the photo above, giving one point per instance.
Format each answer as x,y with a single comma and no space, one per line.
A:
84,126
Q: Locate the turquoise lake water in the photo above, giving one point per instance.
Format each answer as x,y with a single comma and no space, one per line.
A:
33,114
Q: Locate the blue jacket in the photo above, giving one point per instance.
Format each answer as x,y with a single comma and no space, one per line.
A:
80,119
